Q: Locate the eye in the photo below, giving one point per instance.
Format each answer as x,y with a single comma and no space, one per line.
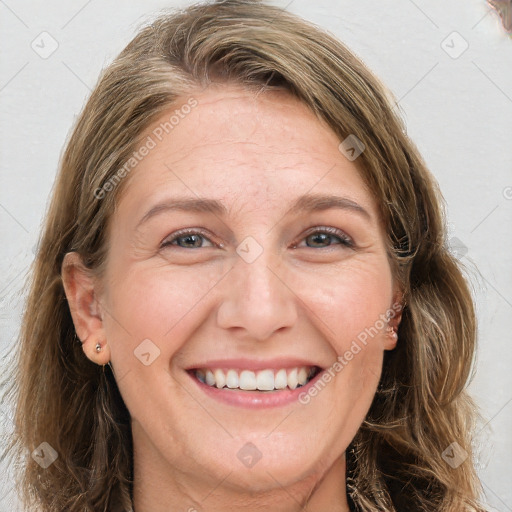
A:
324,235
186,239
192,239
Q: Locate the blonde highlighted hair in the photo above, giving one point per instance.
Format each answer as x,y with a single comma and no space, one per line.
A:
421,407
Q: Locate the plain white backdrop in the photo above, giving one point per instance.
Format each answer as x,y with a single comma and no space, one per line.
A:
449,64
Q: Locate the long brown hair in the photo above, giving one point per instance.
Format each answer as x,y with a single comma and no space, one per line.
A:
421,408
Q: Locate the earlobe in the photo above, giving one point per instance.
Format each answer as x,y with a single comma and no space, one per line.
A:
394,319
96,350
79,287
391,338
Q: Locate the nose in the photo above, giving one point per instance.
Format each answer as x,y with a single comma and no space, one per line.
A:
256,300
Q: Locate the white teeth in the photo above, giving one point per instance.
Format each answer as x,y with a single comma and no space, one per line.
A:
247,380
263,380
232,379
210,379
302,376
292,379
220,378
281,379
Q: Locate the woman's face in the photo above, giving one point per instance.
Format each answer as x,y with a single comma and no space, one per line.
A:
265,286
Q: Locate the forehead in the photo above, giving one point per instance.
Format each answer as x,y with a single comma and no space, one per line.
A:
238,145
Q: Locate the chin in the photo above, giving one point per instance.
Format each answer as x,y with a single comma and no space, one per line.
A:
266,477
261,470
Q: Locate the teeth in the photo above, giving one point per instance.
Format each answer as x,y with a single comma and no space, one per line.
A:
281,379
220,378
210,379
247,380
232,379
263,380
302,376
292,379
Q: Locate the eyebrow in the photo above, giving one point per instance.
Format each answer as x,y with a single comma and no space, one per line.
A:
306,203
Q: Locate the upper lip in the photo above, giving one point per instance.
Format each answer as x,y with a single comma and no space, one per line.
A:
254,365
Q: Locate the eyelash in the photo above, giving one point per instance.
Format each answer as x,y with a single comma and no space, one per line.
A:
344,239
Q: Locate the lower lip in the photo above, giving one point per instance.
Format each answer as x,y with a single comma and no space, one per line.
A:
255,399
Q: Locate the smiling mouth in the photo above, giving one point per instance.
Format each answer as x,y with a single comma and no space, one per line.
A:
267,380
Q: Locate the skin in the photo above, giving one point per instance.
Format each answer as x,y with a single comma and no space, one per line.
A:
256,154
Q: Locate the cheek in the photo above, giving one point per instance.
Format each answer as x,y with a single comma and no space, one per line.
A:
152,302
349,301
349,307
153,310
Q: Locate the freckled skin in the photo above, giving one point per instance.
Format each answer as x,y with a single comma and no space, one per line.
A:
255,155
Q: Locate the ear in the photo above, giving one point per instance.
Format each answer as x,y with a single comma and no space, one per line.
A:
85,308
395,317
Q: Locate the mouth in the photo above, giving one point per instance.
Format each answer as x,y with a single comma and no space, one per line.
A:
253,383
269,380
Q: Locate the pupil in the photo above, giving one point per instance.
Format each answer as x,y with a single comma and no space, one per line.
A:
321,235
189,239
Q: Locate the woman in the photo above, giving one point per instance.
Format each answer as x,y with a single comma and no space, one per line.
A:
243,296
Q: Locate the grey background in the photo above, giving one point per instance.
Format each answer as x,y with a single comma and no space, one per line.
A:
457,110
